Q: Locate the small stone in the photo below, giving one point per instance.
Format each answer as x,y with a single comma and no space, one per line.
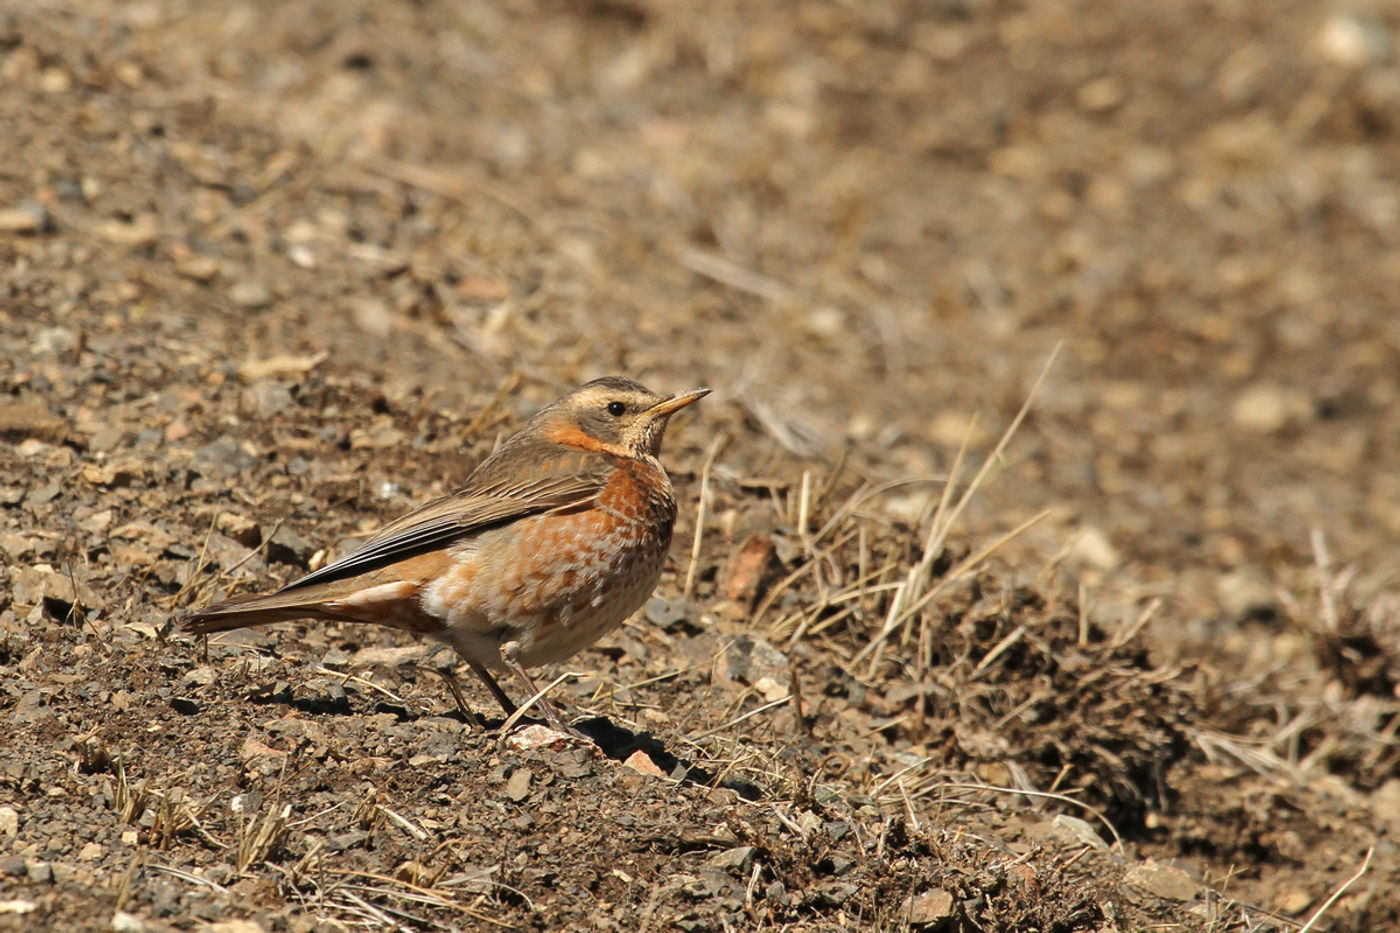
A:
9,821
123,922
91,852
240,528
1164,881
223,457
234,926
928,910
200,676
287,547
518,787
1101,94
201,269
17,905
30,217
251,294
748,660
641,762
1292,902
1266,408
1066,830
739,859
55,340
751,569
1246,594
1354,40
372,316
1093,549
40,872
267,398
536,736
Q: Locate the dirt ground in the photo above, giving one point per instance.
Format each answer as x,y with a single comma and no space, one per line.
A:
276,272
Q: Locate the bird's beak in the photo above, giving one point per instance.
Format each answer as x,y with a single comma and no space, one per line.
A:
669,406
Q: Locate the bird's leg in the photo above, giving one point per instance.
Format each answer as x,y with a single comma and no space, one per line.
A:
456,690
509,654
494,687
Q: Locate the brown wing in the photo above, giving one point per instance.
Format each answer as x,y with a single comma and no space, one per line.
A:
495,494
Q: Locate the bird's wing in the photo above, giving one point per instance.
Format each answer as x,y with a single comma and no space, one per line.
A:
496,500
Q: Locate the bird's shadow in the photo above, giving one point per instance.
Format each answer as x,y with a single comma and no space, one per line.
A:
614,741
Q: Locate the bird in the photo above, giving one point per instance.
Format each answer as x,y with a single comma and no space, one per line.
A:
553,541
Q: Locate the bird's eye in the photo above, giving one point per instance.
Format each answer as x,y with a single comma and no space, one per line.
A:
616,409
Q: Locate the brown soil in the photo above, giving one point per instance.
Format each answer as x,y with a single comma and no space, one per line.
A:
275,272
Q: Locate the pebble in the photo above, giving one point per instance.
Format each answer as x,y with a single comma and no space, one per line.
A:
287,547
55,340
267,398
123,922
1354,40
932,908
518,787
9,821
251,294
641,762
30,217
738,859
1164,881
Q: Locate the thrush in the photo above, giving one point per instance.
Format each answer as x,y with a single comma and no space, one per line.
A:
551,543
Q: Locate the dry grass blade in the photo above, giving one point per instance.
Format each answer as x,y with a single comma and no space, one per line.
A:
1336,895
749,715
910,599
959,570
257,840
524,708
701,512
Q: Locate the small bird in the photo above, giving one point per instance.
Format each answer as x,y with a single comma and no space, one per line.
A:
552,542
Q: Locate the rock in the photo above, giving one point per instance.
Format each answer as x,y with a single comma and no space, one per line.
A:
1093,549
1246,594
24,420
265,399
29,217
287,547
738,859
202,269
1354,40
931,910
1385,802
123,922
9,822
15,546
372,316
1069,831
1164,881
233,926
251,294
518,787
55,340
91,852
751,569
1265,408
749,660
17,905
641,762
536,736
223,457
240,528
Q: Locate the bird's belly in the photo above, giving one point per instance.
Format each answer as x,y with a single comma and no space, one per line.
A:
553,584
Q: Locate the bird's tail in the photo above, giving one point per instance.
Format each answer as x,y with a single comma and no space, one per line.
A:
244,611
